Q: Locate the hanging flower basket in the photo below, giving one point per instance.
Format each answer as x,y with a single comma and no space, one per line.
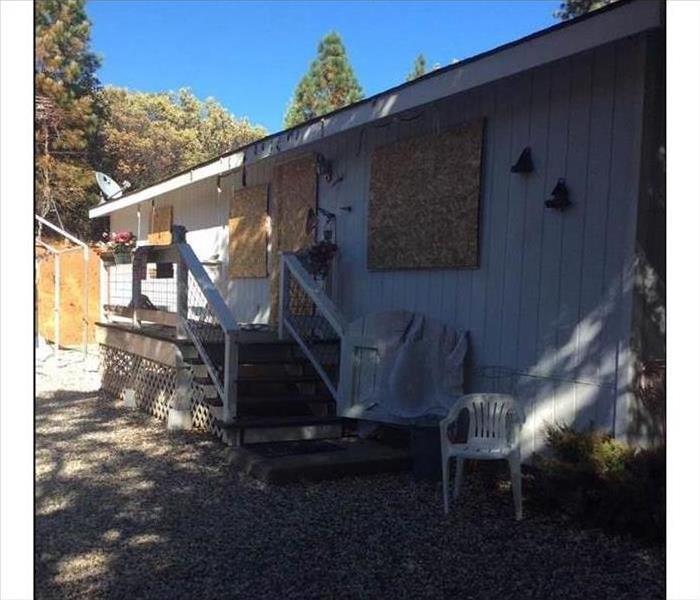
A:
123,258
318,258
117,248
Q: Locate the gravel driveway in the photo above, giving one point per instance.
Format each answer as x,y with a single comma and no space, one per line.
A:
126,510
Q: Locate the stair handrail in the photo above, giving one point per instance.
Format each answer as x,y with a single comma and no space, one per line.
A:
226,389
315,291
290,263
218,305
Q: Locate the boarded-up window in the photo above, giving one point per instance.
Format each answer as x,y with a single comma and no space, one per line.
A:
161,222
293,194
247,233
424,201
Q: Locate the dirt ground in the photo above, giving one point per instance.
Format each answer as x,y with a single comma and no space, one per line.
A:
125,509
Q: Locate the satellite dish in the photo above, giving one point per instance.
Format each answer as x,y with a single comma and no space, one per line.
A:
110,189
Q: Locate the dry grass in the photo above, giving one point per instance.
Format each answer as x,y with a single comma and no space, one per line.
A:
126,510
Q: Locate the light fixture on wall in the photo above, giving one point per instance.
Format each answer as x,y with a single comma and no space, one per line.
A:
324,167
560,196
524,162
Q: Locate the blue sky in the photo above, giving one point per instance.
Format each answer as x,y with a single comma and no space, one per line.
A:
250,55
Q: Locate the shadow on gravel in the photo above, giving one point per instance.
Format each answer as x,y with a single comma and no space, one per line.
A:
126,510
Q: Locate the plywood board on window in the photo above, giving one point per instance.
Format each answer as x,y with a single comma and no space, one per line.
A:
293,194
247,233
424,201
161,222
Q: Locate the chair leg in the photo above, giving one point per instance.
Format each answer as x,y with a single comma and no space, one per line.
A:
458,477
446,483
516,484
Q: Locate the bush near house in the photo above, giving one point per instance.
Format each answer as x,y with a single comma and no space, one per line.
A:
601,482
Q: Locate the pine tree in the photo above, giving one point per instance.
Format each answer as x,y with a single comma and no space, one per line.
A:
329,84
67,113
570,9
418,69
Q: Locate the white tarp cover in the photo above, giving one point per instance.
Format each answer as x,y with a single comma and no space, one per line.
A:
420,370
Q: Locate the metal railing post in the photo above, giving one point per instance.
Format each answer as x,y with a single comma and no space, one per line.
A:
86,305
56,304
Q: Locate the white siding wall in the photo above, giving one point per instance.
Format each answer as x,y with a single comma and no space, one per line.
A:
204,211
552,295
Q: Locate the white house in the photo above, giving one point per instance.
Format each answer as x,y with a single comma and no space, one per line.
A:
555,268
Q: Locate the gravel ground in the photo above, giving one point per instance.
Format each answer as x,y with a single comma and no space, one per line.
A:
126,510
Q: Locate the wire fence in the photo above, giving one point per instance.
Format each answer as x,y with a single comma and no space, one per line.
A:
158,292
303,317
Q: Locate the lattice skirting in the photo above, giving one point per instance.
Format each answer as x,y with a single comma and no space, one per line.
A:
154,385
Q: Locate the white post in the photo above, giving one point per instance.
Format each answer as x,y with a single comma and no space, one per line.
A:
180,404
56,304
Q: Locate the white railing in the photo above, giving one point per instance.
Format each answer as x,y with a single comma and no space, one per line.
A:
209,323
201,314
311,318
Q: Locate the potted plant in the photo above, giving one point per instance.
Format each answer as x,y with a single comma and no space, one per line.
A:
318,258
117,247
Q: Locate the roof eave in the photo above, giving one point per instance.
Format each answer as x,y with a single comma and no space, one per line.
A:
555,43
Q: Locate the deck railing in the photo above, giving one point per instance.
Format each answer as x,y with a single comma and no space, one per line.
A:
193,303
312,319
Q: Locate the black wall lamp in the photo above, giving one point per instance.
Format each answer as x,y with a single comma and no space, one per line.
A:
560,196
324,167
524,162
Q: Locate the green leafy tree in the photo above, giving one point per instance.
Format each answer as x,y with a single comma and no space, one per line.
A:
570,9
67,112
149,136
418,69
329,84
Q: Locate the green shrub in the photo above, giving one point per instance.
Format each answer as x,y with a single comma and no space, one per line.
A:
603,483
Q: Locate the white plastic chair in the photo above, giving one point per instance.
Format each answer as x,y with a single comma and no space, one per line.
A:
489,437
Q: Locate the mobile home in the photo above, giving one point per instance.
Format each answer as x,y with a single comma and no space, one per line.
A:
513,199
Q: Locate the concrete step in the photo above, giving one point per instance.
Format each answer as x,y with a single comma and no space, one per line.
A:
251,430
285,462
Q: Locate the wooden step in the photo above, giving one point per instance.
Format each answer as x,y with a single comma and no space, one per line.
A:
279,378
289,405
252,430
284,462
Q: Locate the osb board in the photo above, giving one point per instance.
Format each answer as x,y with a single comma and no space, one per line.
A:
293,194
247,233
161,222
72,295
424,201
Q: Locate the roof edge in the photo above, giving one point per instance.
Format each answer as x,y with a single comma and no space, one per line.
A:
618,20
